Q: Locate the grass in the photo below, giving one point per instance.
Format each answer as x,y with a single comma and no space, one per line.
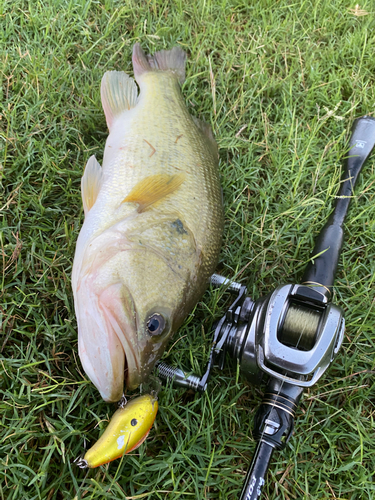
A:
280,84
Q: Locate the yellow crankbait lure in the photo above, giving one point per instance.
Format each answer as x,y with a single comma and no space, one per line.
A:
127,430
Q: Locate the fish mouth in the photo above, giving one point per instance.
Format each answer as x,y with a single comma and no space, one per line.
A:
132,371
135,377
139,361
124,324
108,341
132,377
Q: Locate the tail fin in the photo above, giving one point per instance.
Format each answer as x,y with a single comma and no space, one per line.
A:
165,60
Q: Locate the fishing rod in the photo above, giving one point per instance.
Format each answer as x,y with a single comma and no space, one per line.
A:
290,337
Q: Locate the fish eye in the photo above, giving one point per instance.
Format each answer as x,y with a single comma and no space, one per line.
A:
155,324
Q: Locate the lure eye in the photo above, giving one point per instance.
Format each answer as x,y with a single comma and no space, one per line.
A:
155,324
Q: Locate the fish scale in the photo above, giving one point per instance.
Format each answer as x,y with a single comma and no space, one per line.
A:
153,224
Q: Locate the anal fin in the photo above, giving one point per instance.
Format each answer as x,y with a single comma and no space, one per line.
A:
119,93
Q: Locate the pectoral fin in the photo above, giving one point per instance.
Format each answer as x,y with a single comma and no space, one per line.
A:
90,183
154,188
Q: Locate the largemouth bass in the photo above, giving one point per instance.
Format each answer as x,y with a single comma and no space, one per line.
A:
153,224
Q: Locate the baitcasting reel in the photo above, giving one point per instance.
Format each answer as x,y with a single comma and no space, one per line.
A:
290,337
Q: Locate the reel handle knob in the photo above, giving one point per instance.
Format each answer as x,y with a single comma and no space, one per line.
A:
180,379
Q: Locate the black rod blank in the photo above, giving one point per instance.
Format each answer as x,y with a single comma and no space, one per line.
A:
254,480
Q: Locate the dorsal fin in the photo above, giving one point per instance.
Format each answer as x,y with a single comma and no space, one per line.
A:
91,183
119,93
206,129
166,60
154,188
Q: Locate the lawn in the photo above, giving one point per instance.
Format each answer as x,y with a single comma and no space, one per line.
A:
280,83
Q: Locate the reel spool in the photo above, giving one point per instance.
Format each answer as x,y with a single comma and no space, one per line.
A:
300,327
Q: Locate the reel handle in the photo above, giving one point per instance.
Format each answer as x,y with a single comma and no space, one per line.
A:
320,272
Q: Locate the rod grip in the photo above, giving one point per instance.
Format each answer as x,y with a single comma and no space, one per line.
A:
361,143
321,270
